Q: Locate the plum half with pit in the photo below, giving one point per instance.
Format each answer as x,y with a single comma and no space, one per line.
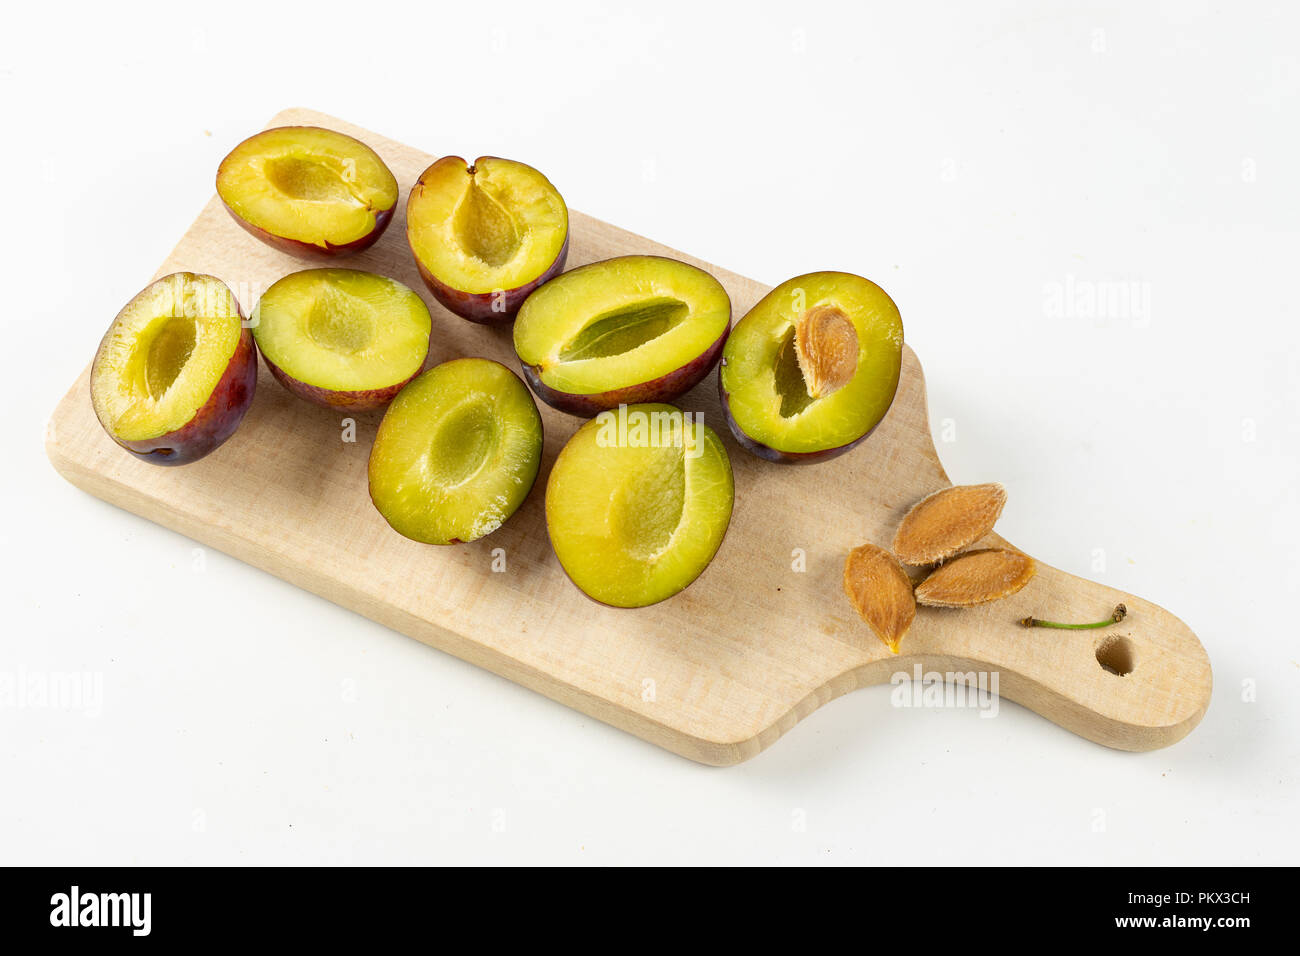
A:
457,452
176,371
342,338
638,503
486,234
812,369
311,192
622,331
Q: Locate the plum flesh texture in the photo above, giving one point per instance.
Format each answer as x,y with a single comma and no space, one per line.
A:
457,452
342,338
767,399
622,331
638,503
307,191
176,371
485,235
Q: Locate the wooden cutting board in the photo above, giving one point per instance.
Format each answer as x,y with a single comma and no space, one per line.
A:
762,639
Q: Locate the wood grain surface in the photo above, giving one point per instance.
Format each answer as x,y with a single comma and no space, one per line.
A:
716,673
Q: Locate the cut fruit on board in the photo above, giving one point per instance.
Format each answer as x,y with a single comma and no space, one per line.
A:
738,658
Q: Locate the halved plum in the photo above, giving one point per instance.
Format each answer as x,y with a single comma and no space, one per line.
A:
342,338
812,369
621,331
176,370
457,452
308,191
486,234
638,502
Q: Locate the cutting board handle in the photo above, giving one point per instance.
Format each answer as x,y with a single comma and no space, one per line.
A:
1141,684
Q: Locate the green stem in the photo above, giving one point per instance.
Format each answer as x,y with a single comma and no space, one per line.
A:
1116,616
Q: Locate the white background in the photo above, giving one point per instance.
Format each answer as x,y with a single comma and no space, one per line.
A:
977,161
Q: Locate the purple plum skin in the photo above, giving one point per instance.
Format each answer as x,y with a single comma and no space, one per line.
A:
768,453
479,306
214,422
358,401
665,388
310,250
